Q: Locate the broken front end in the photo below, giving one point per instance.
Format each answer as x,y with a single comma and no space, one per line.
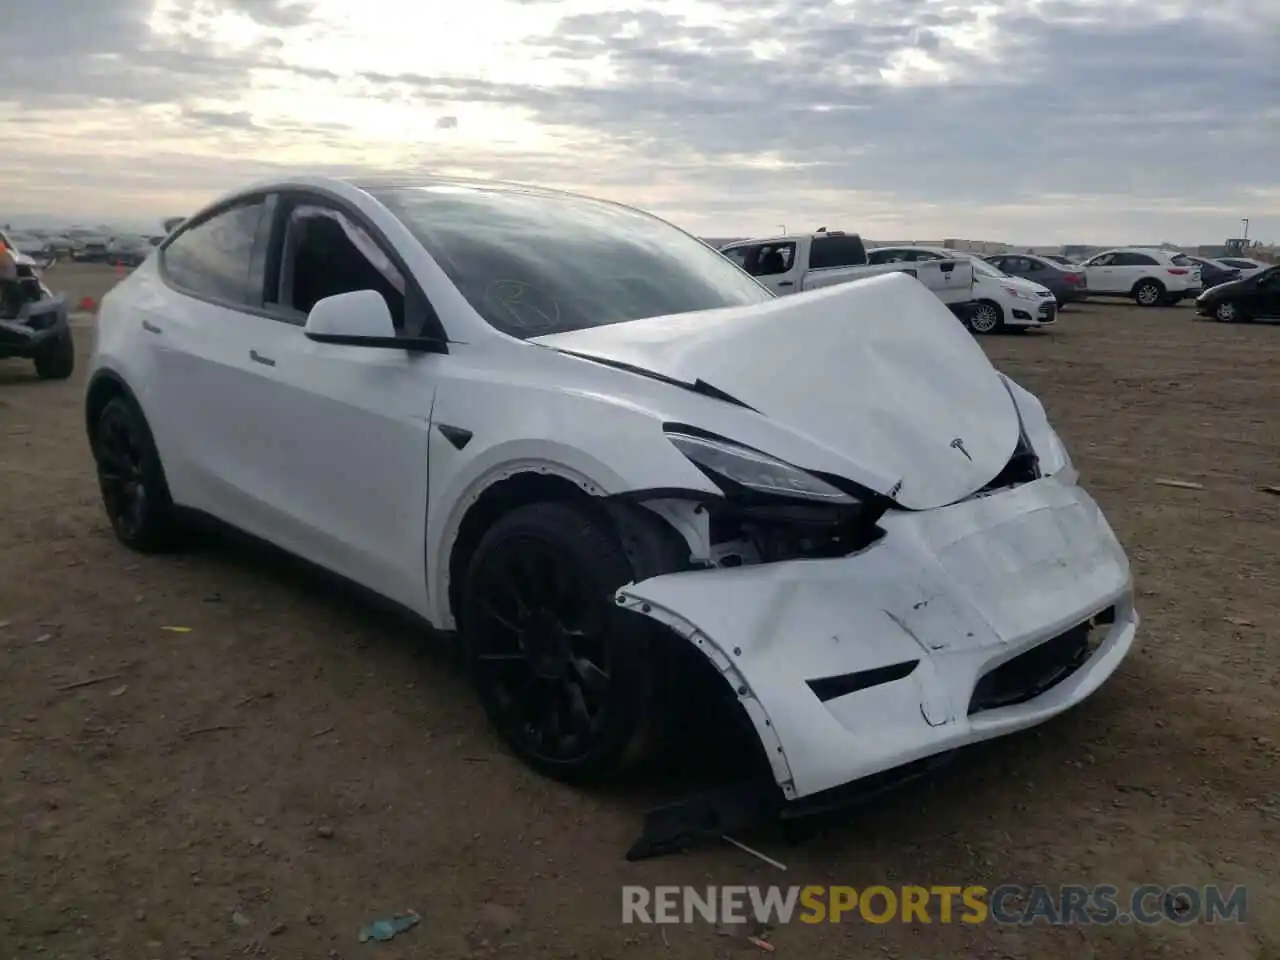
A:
862,639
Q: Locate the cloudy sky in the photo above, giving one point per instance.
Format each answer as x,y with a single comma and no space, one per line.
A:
1032,121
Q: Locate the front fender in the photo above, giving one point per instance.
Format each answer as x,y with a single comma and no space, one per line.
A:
603,447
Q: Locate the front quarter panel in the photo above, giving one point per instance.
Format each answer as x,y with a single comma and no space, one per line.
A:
524,419
117,348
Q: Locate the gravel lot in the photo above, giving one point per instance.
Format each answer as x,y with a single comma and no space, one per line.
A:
297,763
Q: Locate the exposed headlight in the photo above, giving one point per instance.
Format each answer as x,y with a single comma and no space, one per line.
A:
774,511
1057,459
755,471
1051,453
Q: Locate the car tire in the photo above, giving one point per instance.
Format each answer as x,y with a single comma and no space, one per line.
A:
1149,293
1226,312
986,317
131,479
564,675
56,360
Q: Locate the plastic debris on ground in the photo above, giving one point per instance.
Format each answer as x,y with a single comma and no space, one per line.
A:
177,629
381,930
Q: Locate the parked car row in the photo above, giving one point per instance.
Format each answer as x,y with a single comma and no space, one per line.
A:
122,249
800,262
983,296
1012,291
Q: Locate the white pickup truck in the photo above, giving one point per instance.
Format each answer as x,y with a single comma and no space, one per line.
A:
800,262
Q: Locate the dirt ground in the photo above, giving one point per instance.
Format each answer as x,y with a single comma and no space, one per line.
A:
295,764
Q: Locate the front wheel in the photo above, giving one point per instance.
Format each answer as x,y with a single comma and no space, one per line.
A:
131,479
1226,312
563,674
56,360
986,317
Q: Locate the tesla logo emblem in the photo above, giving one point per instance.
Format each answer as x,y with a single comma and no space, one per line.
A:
958,444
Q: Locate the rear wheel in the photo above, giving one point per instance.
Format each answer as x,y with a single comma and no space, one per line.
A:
1148,293
56,360
564,675
986,317
131,479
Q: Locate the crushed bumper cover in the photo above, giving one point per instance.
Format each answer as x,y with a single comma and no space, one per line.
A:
853,667
35,324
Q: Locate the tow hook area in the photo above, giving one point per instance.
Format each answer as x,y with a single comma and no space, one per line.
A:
739,807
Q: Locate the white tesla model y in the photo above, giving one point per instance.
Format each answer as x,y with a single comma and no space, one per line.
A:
580,437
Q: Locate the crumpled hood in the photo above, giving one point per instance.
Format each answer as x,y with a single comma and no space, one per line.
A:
877,372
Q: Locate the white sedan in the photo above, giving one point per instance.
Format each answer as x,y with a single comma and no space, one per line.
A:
617,465
1000,302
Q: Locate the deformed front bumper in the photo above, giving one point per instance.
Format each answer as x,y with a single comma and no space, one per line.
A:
35,324
899,636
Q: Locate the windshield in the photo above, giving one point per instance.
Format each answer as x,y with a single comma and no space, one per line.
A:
534,263
981,266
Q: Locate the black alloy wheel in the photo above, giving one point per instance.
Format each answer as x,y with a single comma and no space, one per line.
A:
131,479
563,674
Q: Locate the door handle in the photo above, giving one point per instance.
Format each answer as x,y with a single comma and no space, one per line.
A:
256,357
786,283
150,327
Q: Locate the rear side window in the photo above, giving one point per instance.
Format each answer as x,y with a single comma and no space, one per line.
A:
771,259
1133,260
846,251
889,255
213,258
738,255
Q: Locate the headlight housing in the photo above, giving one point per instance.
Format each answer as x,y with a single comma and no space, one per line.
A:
1056,460
1051,453
773,510
753,471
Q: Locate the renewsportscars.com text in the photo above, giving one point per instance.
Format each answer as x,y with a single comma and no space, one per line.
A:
1067,904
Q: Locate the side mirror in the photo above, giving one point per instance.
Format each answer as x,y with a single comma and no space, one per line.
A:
362,318
361,313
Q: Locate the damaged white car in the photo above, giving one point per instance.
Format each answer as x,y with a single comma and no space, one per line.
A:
585,440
